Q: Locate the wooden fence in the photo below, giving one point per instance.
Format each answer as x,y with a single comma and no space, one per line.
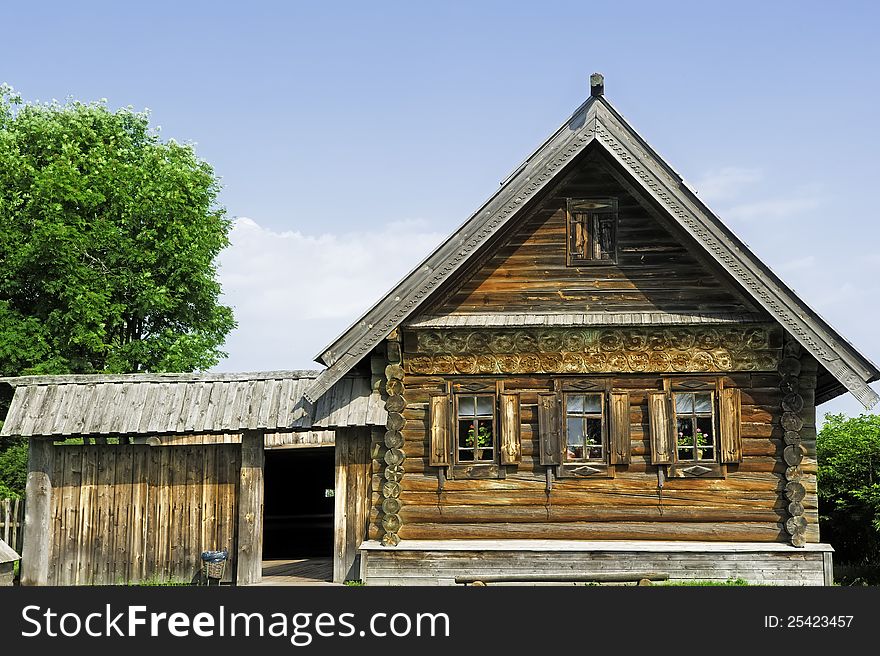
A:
129,513
12,523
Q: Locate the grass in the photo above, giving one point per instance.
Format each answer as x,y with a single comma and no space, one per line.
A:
353,583
155,581
728,582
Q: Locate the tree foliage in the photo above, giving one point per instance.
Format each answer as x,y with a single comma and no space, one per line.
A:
108,237
13,469
848,450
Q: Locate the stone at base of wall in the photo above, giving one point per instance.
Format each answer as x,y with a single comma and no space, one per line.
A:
441,562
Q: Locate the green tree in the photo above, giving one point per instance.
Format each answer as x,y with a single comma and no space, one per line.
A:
108,237
848,450
13,470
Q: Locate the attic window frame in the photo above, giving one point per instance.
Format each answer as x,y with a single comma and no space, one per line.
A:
590,224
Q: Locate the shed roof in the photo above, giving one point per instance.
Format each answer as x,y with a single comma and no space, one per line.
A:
7,553
597,124
181,404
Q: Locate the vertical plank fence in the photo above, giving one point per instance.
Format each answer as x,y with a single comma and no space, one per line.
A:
129,513
12,522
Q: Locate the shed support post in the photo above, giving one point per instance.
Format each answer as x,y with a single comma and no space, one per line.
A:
38,513
351,501
249,561
827,568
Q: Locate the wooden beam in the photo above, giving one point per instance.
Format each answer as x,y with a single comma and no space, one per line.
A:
595,577
827,568
38,513
250,509
352,498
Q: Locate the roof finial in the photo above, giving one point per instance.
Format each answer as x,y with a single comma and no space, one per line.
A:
597,84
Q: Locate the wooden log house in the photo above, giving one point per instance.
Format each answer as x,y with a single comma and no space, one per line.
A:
591,379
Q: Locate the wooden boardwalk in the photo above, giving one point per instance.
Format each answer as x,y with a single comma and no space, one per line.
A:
298,571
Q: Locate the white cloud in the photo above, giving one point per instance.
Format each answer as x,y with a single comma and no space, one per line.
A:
773,208
747,194
726,183
807,262
292,292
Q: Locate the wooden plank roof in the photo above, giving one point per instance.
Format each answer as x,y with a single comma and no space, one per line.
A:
597,124
184,404
7,553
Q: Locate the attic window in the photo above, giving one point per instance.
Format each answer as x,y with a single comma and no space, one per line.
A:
592,230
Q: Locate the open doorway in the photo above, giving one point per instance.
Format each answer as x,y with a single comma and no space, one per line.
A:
298,504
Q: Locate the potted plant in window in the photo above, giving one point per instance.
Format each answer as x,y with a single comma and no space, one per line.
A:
702,441
478,440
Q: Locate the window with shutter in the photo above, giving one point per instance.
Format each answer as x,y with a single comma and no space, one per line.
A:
592,230
695,428
465,437
574,433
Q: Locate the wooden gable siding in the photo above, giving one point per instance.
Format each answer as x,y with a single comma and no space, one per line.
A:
749,504
528,272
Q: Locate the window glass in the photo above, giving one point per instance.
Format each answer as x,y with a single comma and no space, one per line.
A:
703,403
575,403
684,403
467,406
476,428
694,421
583,427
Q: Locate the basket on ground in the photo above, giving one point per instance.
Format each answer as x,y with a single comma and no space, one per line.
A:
214,564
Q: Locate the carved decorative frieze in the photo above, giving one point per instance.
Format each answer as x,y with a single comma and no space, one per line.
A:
754,347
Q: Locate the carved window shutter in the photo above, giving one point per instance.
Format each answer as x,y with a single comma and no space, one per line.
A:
731,422
548,429
511,448
620,438
662,428
439,456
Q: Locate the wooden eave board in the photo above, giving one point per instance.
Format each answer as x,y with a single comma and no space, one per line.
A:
596,121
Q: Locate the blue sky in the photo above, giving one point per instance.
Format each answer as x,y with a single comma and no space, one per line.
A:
351,137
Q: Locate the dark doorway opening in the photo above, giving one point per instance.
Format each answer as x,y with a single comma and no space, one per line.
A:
298,503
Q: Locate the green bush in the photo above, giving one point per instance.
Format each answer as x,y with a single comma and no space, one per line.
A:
848,450
13,470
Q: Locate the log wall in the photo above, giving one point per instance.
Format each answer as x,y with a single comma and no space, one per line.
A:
528,271
747,505
124,514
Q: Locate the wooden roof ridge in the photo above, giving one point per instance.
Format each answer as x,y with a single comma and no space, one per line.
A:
79,379
597,122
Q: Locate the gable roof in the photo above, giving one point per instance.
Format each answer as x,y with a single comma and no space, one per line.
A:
597,124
